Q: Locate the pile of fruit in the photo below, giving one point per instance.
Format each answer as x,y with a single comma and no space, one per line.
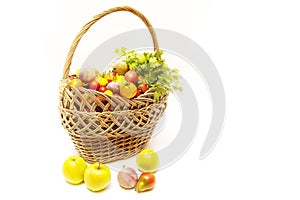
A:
132,75
97,176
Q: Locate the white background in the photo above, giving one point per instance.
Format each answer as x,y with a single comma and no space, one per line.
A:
255,46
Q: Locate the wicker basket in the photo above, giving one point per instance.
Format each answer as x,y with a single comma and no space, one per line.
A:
100,133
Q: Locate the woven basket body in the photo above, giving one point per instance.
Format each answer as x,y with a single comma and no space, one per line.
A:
107,128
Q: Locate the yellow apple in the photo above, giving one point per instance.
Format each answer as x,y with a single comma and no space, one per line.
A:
101,80
97,177
73,169
147,160
76,82
108,92
120,79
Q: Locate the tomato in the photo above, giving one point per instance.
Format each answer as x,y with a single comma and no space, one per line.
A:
143,87
102,89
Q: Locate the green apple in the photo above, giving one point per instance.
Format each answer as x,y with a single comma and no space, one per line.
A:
73,169
147,160
97,177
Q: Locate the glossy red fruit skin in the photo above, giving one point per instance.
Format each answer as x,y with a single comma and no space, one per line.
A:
102,89
131,76
143,87
138,93
94,85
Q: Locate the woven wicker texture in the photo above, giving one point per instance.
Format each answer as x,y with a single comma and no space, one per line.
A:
107,128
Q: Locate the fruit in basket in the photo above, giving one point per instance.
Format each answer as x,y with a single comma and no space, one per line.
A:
127,90
138,93
120,67
97,177
101,80
87,74
120,79
146,182
78,71
72,76
102,89
110,108
147,160
131,76
114,87
143,87
76,83
94,85
153,69
73,169
127,178
110,76
108,92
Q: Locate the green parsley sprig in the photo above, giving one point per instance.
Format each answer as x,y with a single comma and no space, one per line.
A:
153,69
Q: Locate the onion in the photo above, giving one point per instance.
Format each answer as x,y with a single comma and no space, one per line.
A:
127,178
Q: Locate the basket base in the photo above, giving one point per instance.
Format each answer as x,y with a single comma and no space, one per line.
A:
92,154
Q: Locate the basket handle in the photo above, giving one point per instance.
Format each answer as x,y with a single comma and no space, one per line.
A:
86,27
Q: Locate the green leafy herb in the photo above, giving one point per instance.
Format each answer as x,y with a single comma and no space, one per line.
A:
153,70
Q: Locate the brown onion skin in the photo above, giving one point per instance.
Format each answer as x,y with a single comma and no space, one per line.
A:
127,178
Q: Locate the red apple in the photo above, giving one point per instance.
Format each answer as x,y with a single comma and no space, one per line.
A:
131,76
94,85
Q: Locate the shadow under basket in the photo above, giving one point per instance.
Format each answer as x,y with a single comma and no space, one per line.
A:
107,128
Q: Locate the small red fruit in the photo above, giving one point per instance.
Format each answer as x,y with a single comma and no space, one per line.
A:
94,85
110,108
143,87
138,93
102,89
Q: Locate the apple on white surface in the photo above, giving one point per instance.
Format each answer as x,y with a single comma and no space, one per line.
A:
147,160
73,169
97,177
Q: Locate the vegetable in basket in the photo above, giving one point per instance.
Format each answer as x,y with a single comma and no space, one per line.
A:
152,70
